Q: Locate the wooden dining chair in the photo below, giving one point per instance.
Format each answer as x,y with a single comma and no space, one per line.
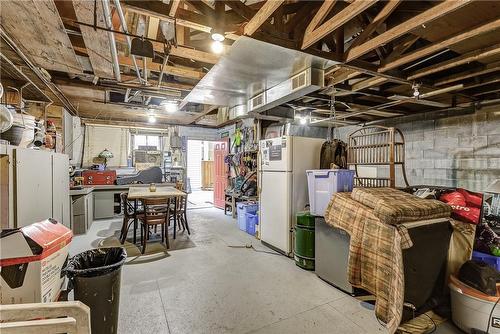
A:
156,212
129,214
179,216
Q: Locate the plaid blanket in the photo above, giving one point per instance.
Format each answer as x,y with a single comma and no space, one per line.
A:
375,255
392,206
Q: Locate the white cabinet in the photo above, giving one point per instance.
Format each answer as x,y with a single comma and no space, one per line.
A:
40,187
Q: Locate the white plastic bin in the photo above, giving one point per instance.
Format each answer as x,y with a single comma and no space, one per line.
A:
323,183
469,312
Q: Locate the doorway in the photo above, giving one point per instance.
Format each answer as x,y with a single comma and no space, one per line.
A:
200,159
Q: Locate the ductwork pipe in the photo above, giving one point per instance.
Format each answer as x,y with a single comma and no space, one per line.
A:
123,22
111,36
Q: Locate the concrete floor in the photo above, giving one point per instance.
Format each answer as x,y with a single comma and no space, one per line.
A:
203,286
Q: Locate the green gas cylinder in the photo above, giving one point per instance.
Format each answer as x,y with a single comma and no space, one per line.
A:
304,240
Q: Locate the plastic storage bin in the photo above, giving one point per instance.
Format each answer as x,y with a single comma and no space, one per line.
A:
492,260
470,309
242,209
251,221
323,183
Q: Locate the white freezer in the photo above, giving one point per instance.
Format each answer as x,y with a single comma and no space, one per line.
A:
283,189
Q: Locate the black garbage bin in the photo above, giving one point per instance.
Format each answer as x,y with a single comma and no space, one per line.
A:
95,277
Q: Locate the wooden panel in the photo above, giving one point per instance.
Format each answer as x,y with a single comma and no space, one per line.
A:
96,41
207,174
37,29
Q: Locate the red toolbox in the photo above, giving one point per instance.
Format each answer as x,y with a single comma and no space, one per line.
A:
99,177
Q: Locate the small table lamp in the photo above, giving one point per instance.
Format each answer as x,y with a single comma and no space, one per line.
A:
105,155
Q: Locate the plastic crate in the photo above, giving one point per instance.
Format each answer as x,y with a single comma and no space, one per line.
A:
492,260
252,220
323,183
242,208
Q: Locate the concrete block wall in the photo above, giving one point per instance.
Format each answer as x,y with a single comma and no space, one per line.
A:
456,151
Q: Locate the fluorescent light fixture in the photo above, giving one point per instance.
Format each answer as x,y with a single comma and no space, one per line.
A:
217,47
152,119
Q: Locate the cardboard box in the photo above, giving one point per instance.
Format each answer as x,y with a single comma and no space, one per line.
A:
31,262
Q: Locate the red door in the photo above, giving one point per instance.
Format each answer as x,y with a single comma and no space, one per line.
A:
220,173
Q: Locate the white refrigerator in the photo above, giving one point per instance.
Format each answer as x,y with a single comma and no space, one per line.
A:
283,163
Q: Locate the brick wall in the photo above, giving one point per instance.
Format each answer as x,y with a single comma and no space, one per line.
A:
456,151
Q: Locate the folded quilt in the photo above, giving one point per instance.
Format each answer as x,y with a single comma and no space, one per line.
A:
394,206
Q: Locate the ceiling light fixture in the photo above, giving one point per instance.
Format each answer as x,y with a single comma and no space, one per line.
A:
303,120
217,35
416,92
152,119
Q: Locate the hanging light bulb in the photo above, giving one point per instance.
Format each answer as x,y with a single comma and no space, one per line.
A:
217,35
416,92
152,119
303,120
217,47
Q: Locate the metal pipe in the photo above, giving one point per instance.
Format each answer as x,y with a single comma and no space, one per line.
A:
111,36
129,41
165,60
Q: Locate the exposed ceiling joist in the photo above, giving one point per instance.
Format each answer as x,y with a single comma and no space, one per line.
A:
367,83
177,71
390,6
485,69
174,4
262,15
463,59
336,21
407,26
181,51
441,45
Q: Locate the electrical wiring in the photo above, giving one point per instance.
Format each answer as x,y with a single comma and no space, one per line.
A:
250,246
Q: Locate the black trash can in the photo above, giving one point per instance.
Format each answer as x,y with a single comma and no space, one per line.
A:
95,277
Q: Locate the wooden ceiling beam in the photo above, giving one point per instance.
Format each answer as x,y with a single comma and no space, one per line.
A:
174,5
342,75
247,13
367,83
336,21
441,45
181,51
261,16
173,70
183,17
320,15
433,13
485,69
463,59
389,7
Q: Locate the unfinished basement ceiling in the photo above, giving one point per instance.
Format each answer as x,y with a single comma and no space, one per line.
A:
449,50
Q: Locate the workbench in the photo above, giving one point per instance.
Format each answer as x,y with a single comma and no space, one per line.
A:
106,198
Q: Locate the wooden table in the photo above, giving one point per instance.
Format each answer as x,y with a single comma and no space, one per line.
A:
143,192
